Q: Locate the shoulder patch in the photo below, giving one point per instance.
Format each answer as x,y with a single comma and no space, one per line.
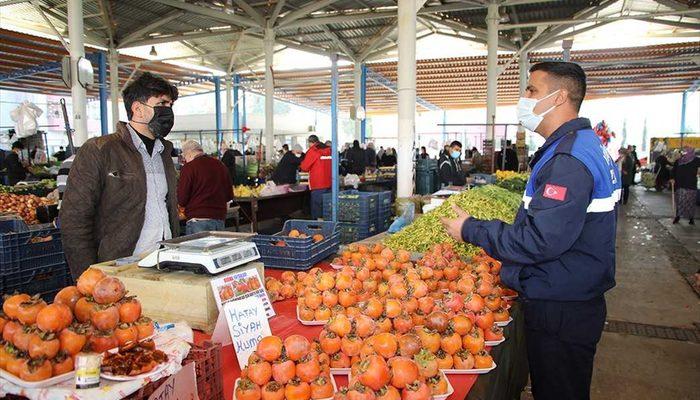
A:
554,192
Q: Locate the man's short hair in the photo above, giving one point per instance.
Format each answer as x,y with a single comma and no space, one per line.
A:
313,139
146,86
191,145
18,145
456,143
570,76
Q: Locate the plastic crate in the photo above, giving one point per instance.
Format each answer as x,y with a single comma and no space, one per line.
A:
350,233
483,179
45,281
23,248
383,199
298,254
353,206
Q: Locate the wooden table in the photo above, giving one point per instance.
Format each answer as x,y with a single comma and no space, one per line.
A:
254,209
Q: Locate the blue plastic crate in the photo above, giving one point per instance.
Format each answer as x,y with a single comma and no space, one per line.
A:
353,206
350,233
298,254
45,281
25,247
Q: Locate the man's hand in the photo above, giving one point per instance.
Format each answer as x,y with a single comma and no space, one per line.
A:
454,225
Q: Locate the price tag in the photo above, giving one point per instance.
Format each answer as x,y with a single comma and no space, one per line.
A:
247,324
181,386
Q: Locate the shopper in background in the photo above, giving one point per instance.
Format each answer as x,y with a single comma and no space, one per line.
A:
476,159
286,171
16,167
60,155
204,190
370,156
559,253
380,154
511,157
628,170
121,194
449,167
317,162
637,163
423,153
357,159
388,158
229,160
662,169
285,148
685,181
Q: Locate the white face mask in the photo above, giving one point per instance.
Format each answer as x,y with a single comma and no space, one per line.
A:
526,111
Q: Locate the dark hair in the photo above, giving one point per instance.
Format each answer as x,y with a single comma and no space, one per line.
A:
570,75
356,144
313,139
285,146
146,86
422,147
18,145
456,143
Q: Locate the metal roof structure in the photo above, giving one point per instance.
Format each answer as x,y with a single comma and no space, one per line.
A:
227,36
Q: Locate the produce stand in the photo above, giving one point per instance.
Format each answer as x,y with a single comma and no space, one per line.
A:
254,209
505,382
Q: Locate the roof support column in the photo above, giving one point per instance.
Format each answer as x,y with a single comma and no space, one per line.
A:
491,68
228,119
363,103
523,68
236,114
357,97
77,50
406,96
684,101
334,136
217,111
102,76
114,85
269,43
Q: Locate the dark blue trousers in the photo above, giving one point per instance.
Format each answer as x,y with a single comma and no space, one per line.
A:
317,203
561,342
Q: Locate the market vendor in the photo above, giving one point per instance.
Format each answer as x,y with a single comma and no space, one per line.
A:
286,171
317,162
204,190
559,253
450,169
16,167
121,196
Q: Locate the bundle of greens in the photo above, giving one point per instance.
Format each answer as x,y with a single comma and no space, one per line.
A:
486,202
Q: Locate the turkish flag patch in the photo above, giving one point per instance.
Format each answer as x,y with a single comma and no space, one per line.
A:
554,192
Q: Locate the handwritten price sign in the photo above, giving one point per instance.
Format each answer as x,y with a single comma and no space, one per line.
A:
181,386
247,324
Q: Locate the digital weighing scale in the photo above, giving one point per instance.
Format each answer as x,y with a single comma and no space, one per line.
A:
204,252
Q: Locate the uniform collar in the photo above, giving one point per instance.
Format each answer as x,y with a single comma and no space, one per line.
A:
573,125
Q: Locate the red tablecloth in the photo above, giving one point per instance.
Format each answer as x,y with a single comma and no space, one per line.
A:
284,324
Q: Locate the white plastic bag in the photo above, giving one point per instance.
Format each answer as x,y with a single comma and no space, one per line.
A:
352,179
25,118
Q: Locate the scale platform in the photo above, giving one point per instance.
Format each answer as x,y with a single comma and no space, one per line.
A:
204,252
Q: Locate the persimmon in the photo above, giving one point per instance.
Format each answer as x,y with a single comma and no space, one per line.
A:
269,348
9,330
485,319
358,391
323,313
426,304
321,388
451,343
388,393
463,360
44,345
461,324
501,315
493,334
22,337
88,279
260,372
15,362
36,370
473,342
351,345
330,298
385,344
129,309
105,317
437,384
73,338
374,372
340,360
297,347
247,390
271,391
437,321
308,368
306,314
126,333
474,302
101,341
427,363
483,360
145,327
347,298
330,342
417,390
62,364
83,309
403,323
297,389
54,317
364,326
11,304
28,310
340,325
409,344
69,295
392,308
444,360
283,370
384,325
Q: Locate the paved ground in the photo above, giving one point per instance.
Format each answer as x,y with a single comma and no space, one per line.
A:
654,258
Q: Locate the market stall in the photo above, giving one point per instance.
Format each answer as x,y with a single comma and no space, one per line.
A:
255,209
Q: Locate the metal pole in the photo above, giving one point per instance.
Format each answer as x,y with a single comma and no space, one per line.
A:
406,96
357,97
269,43
444,128
236,115
334,135
77,50
217,110
102,76
243,113
228,124
523,67
684,101
114,85
492,68
363,103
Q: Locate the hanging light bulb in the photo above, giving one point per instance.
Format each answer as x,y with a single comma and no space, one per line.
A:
153,52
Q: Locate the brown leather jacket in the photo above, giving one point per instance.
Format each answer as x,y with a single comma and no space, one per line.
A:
103,209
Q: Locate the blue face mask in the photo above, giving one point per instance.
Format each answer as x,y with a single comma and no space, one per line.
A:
455,154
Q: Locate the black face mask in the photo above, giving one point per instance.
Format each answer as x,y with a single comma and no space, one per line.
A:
162,121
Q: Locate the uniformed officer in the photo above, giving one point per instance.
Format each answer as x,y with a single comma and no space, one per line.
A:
559,254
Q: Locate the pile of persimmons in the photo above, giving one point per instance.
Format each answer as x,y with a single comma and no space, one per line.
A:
387,313
39,340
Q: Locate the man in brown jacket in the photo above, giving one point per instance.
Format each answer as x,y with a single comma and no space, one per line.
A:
121,196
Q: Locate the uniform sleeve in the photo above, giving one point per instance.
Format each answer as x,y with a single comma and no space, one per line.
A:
555,217
445,172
